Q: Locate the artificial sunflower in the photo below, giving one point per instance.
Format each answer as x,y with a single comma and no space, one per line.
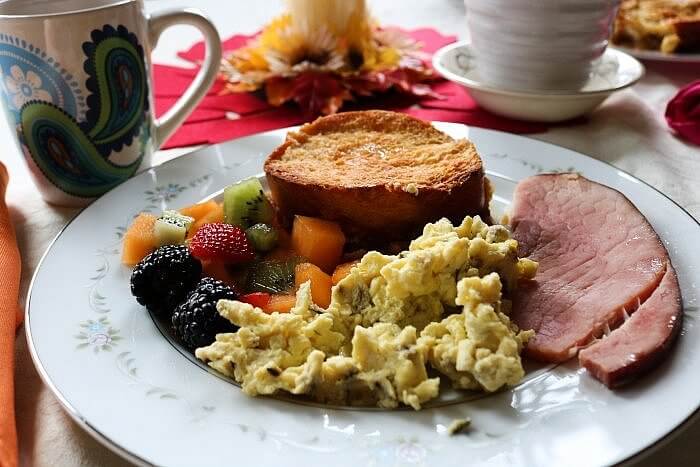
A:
322,53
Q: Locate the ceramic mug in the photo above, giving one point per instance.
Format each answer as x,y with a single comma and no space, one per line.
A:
76,86
539,44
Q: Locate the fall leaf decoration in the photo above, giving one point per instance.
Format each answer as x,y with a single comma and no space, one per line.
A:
323,53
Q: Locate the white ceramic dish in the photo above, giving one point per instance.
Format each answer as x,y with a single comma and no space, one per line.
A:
656,56
613,72
125,382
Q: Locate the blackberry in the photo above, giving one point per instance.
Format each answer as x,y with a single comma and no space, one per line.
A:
196,321
162,280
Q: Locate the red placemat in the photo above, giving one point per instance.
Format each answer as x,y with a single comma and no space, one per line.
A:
221,117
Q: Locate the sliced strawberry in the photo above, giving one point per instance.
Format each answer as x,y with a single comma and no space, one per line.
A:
257,299
221,243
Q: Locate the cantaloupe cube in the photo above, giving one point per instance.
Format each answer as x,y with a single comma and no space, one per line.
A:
197,211
320,283
139,239
280,303
321,242
342,271
213,216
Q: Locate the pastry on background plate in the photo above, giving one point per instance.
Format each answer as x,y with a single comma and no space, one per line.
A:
669,26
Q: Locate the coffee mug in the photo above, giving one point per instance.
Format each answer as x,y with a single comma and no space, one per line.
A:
76,86
538,44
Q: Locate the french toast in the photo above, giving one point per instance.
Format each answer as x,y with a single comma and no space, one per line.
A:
381,175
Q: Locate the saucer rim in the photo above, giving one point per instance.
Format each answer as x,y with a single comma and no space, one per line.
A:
657,56
539,93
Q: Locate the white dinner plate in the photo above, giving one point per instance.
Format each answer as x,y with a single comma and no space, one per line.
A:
124,381
658,56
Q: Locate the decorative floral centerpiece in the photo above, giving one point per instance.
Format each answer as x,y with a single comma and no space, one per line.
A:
322,53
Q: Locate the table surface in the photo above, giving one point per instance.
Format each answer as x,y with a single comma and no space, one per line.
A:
628,131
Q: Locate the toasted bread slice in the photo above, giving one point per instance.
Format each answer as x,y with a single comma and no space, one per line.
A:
381,175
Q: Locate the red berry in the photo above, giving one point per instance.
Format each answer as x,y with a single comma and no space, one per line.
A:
223,243
257,299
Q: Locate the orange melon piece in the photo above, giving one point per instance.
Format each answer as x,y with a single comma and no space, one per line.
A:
197,211
139,239
320,283
280,303
343,270
214,216
321,242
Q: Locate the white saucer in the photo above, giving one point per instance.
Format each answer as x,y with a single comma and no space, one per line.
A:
614,71
658,56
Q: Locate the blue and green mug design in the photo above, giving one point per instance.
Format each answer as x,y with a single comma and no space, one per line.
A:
75,85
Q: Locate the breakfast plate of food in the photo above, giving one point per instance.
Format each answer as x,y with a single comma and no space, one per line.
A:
659,30
372,289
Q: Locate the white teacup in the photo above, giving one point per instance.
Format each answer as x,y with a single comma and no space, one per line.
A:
539,44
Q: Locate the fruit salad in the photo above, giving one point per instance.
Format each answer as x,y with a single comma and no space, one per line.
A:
186,260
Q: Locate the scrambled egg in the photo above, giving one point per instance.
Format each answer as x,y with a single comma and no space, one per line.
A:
458,425
288,352
417,286
387,366
272,352
389,319
478,348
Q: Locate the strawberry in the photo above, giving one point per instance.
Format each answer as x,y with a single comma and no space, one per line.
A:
222,243
257,299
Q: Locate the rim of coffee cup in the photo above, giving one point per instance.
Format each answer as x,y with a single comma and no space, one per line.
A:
58,12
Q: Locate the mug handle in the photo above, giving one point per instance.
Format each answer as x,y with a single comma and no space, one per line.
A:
166,125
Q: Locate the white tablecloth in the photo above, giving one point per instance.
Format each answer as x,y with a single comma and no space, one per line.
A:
628,131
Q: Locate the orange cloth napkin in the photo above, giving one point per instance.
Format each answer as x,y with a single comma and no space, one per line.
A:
10,319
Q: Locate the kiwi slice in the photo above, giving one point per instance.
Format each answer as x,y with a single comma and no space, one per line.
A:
171,228
272,276
262,236
239,274
245,204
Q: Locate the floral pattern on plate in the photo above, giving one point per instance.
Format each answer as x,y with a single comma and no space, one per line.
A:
98,335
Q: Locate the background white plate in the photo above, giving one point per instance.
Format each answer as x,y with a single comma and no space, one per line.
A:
113,370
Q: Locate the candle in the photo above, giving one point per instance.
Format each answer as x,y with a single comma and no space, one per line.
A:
347,20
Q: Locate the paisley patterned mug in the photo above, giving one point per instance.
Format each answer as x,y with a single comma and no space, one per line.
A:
75,84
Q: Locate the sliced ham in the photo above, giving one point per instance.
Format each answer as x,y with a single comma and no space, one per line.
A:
642,340
599,258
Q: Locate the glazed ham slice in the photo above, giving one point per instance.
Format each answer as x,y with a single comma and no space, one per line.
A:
599,258
641,341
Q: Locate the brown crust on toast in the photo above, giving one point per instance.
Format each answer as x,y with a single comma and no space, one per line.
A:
379,174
